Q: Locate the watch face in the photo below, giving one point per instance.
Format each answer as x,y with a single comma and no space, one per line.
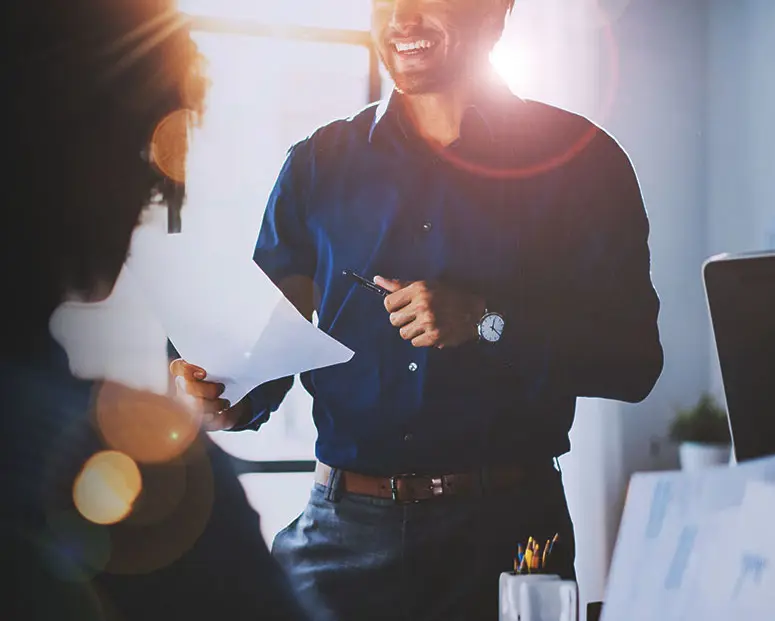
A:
491,328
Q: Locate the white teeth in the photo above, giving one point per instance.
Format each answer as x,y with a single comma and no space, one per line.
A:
422,44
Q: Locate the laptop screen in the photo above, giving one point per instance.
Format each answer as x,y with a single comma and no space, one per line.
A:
741,298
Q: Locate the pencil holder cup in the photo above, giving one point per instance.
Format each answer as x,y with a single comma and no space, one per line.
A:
537,597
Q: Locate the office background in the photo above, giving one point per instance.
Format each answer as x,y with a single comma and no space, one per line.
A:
687,87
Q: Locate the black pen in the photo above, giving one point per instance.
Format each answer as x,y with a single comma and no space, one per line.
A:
366,283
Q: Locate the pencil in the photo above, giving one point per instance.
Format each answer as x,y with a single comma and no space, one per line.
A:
555,539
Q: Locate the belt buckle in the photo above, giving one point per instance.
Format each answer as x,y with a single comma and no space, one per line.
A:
436,486
394,484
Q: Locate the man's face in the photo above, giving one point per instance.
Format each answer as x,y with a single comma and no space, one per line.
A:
426,45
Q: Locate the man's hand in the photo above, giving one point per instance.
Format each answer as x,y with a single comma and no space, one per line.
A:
204,397
432,315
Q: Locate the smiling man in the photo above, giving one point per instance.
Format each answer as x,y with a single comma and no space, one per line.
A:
513,243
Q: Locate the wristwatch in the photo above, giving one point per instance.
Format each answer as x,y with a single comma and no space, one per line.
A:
490,327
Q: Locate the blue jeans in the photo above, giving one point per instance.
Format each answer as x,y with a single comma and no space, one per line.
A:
358,558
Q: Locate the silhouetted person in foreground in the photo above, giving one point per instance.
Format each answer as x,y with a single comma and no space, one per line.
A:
114,504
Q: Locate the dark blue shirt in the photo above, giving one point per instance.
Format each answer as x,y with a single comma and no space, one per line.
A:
534,208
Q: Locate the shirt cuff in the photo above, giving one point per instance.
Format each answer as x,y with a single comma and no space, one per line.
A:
262,401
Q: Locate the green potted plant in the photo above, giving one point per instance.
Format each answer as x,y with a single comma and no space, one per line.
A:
702,434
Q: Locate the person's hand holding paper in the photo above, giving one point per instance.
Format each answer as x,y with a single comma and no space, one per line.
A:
225,317
203,396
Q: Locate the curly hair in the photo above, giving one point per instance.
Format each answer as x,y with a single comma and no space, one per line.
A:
88,82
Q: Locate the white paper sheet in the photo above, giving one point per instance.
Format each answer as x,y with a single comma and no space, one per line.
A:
222,313
755,581
696,547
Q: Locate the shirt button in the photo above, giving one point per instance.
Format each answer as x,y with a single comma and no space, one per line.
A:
408,437
413,366
427,226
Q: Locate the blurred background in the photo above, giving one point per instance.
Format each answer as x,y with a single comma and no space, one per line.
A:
686,86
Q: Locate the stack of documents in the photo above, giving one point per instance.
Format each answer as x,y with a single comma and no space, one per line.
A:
696,547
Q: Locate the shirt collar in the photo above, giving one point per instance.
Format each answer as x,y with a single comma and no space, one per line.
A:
486,117
385,114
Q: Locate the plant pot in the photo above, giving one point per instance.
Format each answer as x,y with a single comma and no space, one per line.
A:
696,455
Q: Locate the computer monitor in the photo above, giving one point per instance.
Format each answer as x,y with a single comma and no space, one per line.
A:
740,291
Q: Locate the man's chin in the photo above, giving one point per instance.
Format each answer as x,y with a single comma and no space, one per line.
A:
424,83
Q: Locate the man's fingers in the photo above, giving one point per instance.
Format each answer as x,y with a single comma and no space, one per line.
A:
390,285
413,311
199,390
396,301
203,390
402,318
204,398
213,407
412,331
181,368
428,338
401,298
401,293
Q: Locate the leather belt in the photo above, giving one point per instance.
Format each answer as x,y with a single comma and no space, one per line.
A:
418,487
